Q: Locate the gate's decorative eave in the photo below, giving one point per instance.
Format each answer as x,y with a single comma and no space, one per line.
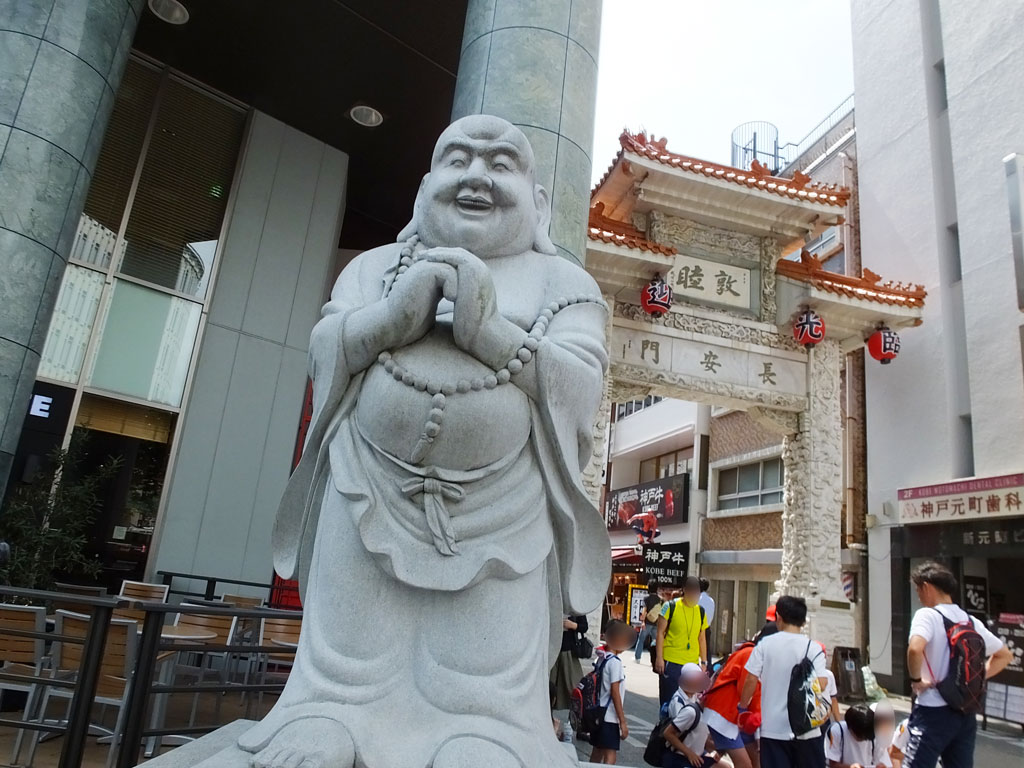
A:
646,177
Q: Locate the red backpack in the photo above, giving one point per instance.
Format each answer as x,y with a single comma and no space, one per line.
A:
964,685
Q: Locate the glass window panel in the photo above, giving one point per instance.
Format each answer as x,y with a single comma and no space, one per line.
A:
727,482
116,165
71,325
728,503
749,501
750,478
772,474
178,209
771,498
648,470
146,344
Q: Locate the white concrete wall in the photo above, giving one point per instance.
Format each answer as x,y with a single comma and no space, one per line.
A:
240,422
662,427
921,169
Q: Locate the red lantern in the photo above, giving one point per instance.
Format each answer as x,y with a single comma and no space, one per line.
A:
809,328
884,345
656,297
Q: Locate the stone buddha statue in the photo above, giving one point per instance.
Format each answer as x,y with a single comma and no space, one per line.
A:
436,522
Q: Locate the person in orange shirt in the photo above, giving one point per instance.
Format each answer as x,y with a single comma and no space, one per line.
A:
733,729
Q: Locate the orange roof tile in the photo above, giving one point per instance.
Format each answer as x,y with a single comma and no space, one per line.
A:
607,230
869,286
799,187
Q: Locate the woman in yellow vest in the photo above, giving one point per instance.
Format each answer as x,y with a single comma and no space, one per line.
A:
682,637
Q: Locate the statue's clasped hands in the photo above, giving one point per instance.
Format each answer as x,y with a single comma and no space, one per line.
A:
477,326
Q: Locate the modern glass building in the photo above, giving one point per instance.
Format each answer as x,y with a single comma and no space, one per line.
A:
183,195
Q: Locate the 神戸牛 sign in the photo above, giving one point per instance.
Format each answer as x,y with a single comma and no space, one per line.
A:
648,506
666,563
962,500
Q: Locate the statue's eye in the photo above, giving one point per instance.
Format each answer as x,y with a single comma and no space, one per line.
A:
501,164
457,160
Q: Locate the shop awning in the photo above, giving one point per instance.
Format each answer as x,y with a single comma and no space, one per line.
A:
626,556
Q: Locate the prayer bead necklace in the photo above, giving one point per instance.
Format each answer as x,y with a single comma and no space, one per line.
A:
441,391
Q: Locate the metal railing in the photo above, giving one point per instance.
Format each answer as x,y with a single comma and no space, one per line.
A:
790,152
210,591
141,685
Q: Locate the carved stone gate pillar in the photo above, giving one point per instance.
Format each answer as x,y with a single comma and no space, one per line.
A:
813,488
811,517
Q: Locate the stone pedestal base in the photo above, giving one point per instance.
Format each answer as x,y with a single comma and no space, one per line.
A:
218,750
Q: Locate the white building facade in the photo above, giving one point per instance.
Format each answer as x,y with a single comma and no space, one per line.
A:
940,95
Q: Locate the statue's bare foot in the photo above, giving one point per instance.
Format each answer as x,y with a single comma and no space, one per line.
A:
313,742
473,752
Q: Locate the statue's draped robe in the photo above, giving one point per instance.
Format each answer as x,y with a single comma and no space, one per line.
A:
382,601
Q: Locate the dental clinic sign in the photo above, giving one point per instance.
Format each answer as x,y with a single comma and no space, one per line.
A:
963,500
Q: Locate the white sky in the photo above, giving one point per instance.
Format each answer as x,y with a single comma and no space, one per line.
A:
692,70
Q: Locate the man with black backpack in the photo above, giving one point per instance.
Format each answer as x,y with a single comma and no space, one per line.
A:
791,670
949,658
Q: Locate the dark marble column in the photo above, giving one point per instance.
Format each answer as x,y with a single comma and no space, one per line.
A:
534,63
61,62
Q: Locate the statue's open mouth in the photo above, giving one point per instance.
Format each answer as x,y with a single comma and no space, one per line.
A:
473,204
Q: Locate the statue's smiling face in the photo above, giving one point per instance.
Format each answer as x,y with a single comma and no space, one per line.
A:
480,193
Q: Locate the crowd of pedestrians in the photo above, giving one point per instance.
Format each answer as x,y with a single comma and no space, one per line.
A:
772,702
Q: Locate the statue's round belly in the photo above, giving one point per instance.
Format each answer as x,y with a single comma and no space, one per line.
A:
478,427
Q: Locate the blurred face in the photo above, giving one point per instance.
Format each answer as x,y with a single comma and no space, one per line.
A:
691,594
480,193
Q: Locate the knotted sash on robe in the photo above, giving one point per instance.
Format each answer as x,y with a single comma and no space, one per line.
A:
569,365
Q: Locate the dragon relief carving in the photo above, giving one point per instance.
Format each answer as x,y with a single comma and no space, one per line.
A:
812,496
693,237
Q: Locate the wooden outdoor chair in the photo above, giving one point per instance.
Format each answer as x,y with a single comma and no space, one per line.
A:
140,590
281,628
22,656
224,627
77,589
116,667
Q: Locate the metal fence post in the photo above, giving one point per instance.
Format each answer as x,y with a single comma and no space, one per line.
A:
85,691
142,681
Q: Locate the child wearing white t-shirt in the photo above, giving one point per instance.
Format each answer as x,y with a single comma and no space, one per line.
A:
606,741
853,742
900,740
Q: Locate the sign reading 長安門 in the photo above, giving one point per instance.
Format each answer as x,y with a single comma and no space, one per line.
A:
963,500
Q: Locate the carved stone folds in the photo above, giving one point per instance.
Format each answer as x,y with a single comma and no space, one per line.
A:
813,489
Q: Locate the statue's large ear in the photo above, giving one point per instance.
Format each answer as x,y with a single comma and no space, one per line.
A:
542,240
413,226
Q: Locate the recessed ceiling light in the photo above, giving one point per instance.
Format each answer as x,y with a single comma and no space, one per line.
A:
171,11
366,116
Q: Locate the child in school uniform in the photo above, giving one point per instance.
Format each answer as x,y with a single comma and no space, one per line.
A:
688,734
606,741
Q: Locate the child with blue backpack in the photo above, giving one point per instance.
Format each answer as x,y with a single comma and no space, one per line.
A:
607,737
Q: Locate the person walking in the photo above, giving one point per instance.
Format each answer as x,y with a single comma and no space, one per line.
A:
682,638
772,663
567,670
942,653
649,628
707,602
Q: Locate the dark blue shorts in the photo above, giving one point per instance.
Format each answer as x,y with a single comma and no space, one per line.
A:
724,742
607,737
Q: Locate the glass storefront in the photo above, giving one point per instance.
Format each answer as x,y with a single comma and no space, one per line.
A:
130,309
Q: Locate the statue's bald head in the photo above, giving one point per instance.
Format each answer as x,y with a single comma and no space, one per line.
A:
481,193
486,129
